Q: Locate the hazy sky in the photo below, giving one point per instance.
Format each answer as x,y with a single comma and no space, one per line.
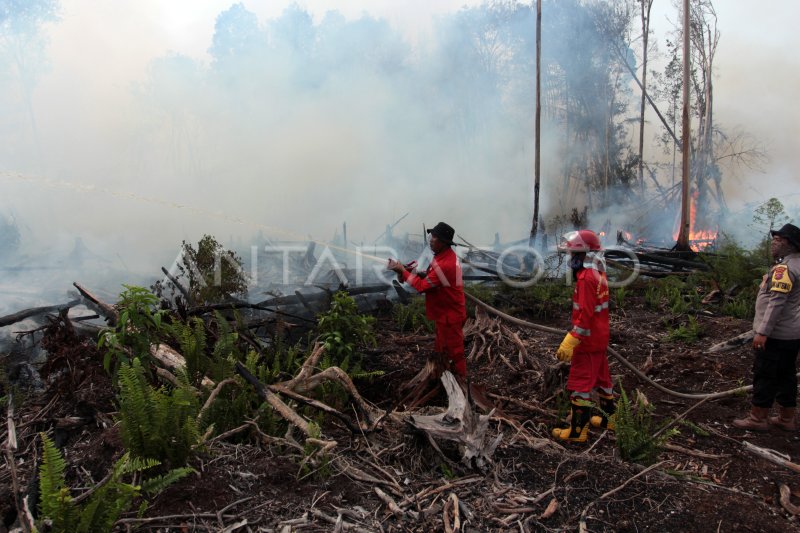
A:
100,52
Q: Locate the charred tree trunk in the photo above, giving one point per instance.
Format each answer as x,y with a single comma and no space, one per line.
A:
683,233
538,125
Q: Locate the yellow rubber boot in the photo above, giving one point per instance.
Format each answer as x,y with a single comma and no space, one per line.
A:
607,419
578,430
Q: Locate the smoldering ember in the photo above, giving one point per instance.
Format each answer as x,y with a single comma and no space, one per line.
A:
557,288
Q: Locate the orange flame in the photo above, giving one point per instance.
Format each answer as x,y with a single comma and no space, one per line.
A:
699,239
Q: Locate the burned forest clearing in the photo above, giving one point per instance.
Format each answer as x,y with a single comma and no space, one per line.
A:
328,410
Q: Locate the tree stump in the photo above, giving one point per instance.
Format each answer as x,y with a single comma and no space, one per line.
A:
460,423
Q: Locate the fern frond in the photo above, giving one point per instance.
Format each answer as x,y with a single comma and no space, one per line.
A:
156,484
367,375
112,499
133,465
136,408
51,474
56,502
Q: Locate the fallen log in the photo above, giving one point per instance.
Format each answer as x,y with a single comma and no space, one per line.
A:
733,343
34,311
460,424
98,306
293,299
172,361
285,412
772,456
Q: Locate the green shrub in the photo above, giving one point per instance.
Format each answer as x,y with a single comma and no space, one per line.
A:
140,325
210,273
635,429
342,329
732,268
157,423
108,500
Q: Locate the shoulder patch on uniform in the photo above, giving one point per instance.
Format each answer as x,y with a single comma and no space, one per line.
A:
780,279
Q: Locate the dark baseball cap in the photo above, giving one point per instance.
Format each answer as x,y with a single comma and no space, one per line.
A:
790,232
443,232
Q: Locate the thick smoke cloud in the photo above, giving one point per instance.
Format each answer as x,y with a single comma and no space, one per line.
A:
296,125
286,124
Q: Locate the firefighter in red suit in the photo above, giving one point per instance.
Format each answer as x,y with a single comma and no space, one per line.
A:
443,287
585,345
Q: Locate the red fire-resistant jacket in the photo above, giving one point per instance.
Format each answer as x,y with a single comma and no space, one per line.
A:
443,286
590,310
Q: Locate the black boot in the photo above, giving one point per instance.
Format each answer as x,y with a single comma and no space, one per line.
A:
607,419
578,430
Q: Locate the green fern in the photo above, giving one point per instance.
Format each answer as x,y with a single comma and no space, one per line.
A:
225,351
635,430
191,337
56,502
157,423
235,404
107,502
136,410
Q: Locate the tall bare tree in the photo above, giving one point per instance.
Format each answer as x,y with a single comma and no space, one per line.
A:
704,38
645,19
538,126
683,233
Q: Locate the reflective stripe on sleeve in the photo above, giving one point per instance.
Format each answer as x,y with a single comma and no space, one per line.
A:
581,331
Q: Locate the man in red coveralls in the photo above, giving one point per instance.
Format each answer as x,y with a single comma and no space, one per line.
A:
586,343
443,286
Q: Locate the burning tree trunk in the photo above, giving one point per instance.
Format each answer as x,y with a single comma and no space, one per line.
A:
683,232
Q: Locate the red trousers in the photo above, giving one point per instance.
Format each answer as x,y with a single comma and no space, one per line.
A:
450,342
588,371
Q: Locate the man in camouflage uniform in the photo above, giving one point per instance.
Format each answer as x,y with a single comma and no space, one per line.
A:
777,339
